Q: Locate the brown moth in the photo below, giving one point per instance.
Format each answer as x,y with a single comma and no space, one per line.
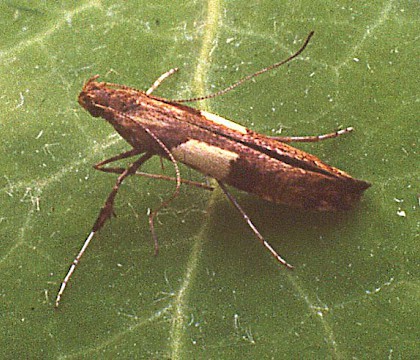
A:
226,151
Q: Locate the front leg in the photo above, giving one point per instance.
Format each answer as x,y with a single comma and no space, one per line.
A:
107,210
160,79
105,213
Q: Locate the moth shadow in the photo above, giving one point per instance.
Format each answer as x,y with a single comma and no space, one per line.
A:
294,228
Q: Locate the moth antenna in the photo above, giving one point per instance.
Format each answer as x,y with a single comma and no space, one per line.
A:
249,77
72,268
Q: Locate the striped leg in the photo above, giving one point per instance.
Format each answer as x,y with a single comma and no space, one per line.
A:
105,213
160,79
315,138
253,228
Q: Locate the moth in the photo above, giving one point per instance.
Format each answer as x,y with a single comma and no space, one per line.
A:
219,148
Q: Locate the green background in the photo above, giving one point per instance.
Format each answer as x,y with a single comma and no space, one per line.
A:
213,292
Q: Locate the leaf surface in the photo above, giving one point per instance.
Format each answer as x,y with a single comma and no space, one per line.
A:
213,291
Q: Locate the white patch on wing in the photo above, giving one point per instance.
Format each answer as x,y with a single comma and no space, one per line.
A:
222,121
208,159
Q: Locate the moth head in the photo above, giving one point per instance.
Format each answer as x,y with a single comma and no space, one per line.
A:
105,99
93,98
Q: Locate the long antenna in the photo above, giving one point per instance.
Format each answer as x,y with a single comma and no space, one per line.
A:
251,76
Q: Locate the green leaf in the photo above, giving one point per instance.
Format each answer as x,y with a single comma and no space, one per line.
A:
213,291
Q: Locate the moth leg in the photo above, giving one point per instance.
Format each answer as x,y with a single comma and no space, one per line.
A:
160,177
160,79
107,210
253,228
148,92
315,138
124,155
105,213
119,170
153,213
